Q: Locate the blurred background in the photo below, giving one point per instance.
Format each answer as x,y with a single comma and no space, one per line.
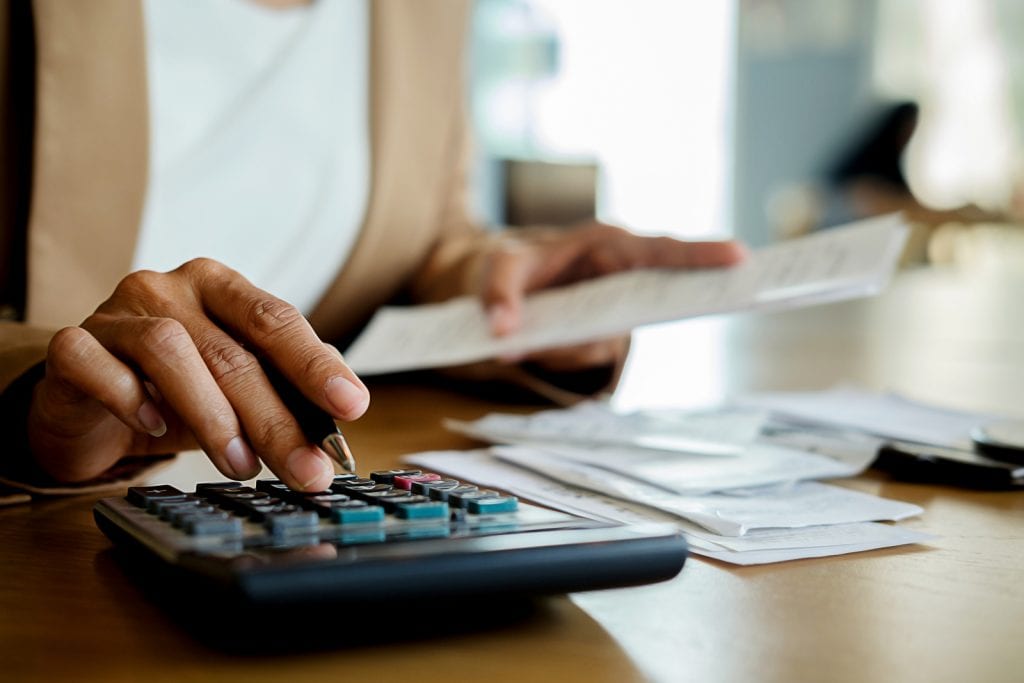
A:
759,119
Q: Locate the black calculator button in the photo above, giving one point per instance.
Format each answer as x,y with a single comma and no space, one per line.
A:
342,486
368,493
203,488
321,504
391,499
258,512
241,501
442,494
388,476
460,500
272,486
141,495
425,487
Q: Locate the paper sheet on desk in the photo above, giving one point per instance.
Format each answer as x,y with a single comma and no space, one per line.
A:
596,423
840,263
730,513
756,465
870,413
755,547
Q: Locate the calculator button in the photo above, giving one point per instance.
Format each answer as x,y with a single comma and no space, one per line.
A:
460,500
259,511
163,508
341,486
442,494
391,502
368,493
178,516
216,524
291,521
388,476
154,505
240,501
356,512
205,487
141,495
272,486
425,509
492,506
425,487
322,504
405,481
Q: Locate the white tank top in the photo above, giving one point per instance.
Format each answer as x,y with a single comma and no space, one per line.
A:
259,139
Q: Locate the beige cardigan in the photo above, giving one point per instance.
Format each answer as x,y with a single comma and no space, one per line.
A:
73,167
89,163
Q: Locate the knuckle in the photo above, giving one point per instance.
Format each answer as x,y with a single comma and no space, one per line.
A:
66,348
203,267
228,364
275,432
140,286
68,342
321,365
166,336
268,317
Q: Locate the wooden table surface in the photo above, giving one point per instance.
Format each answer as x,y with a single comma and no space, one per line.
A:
951,610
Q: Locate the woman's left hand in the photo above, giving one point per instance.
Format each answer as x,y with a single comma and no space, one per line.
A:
550,258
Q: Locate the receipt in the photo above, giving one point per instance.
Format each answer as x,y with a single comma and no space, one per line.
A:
840,263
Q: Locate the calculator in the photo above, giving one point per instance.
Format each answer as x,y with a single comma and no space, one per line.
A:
397,536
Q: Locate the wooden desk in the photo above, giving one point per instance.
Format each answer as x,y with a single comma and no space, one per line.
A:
949,611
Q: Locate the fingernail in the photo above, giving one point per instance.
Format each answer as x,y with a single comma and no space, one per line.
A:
151,419
308,467
240,459
348,399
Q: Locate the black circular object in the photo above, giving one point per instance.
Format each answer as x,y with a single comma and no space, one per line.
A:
1002,440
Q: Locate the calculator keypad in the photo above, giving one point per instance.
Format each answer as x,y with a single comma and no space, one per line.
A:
399,503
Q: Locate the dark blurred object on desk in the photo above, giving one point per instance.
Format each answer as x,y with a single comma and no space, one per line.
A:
867,179
546,193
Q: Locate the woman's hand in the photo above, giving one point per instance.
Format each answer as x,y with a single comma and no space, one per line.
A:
171,361
551,258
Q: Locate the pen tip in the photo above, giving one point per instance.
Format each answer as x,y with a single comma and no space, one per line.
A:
338,449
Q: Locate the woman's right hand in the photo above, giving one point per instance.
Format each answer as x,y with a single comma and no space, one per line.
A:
171,361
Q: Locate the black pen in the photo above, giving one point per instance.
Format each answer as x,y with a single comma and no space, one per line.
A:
316,424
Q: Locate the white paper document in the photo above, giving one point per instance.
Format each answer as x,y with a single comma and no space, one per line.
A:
756,546
840,263
730,513
757,465
870,413
596,423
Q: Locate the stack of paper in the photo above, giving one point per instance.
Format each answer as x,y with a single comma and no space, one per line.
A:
737,498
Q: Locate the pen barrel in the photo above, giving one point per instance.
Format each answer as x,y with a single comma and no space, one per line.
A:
315,422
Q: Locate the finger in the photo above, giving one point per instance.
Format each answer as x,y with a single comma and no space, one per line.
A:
281,334
270,426
671,253
164,352
80,367
506,279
